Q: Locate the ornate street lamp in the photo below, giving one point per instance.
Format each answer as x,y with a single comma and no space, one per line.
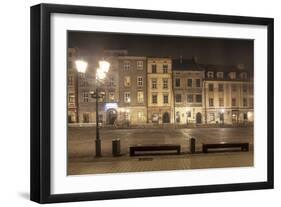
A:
100,75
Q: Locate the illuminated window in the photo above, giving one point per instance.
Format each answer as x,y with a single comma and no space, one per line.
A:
127,97
85,97
154,83
140,97
126,66
165,68
139,81
127,81
139,65
165,83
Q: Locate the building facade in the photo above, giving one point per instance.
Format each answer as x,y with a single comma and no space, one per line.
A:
188,94
132,89
160,102
141,90
72,76
228,96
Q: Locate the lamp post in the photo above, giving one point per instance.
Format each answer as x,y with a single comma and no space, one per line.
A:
100,75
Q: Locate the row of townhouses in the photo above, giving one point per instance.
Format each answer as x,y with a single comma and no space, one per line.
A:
157,90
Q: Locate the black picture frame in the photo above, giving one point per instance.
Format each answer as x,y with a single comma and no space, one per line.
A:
40,103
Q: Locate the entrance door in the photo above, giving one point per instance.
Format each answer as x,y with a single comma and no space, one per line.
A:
198,118
112,116
86,118
166,117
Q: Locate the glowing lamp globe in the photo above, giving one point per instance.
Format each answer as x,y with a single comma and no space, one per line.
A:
81,66
104,66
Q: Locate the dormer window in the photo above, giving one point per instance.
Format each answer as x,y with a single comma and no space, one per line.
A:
210,74
232,75
219,74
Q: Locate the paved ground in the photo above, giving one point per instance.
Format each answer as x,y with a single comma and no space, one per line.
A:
81,149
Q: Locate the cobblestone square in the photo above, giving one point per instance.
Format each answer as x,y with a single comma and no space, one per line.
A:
82,160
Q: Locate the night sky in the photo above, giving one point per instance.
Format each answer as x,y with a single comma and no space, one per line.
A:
206,50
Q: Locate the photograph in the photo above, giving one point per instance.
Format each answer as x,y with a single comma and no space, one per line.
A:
148,102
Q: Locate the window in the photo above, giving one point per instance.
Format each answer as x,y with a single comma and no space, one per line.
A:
245,103
189,82
165,68
70,80
233,88
71,98
85,97
140,98
219,74
141,116
154,68
211,102
178,82
154,83
221,87
127,97
165,83
127,81
198,98
154,99
126,66
139,81
211,87
165,99
245,88
210,74
232,75
221,102
178,98
188,114
198,83
111,96
233,102
190,98
139,65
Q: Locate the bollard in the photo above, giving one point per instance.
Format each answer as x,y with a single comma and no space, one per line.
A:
192,144
116,147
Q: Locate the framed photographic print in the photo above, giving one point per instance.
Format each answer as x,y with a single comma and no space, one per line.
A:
132,103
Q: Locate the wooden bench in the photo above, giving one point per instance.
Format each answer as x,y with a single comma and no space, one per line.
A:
242,146
151,148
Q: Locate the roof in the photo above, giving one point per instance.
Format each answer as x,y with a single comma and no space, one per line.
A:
186,64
